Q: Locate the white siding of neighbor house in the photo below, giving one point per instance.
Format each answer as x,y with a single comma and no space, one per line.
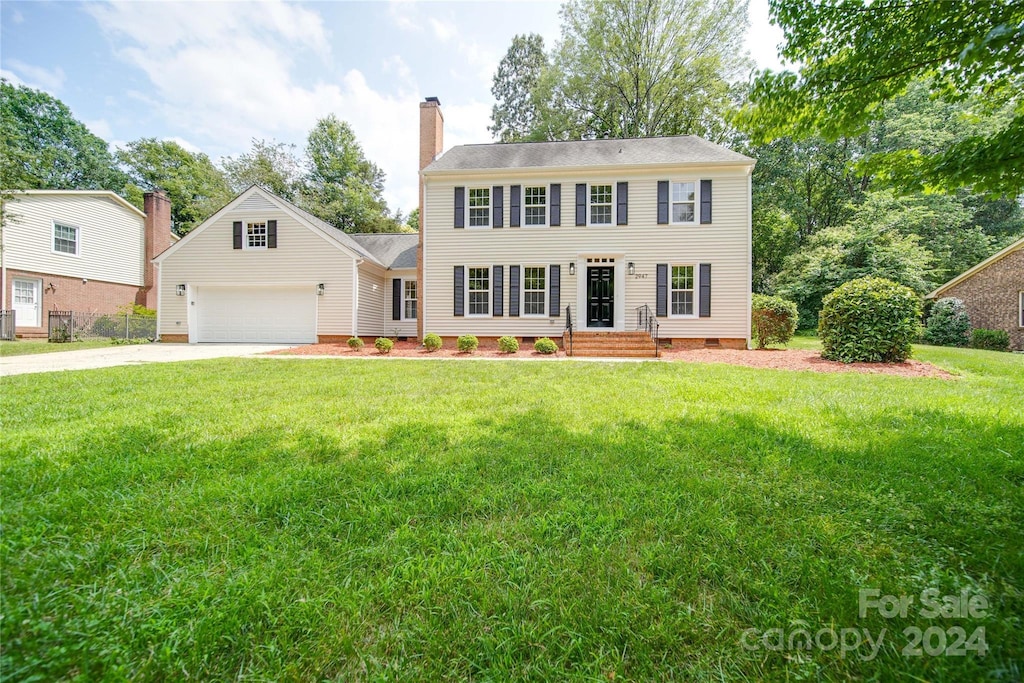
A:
725,244
111,237
371,300
404,328
302,257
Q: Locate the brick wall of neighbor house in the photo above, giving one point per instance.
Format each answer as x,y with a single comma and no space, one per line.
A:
158,239
61,293
992,296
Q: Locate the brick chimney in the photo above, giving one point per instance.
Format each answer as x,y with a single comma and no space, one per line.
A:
158,238
431,145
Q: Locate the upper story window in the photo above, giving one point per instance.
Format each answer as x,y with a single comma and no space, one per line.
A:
684,202
256,235
600,204
534,290
682,290
409,302
479,285
65,239
479,207
535,202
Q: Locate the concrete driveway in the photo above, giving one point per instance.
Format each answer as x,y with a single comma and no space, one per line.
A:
87,359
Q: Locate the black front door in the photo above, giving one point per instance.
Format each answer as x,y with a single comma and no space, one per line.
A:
600,296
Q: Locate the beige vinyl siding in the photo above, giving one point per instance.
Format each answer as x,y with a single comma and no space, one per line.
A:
405,328
111,238
371,301
302,257
724,244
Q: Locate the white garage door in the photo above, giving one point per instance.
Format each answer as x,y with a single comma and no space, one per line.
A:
280,315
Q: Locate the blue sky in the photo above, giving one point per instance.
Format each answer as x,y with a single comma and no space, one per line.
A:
214,75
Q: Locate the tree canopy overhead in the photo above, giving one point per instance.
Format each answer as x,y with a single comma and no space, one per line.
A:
856,55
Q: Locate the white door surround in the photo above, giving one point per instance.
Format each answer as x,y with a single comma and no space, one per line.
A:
27,301
616,261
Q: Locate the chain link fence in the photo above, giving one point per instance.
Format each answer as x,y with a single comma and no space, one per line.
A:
68,326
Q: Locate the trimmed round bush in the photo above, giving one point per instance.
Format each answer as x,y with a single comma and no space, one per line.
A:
773,318
383,344
545,346
432,342
468,343
869,319
948,324
993,340
355,343
508,344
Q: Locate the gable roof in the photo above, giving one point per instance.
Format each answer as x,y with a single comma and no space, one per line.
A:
1019,244
676,150
103,194
396,250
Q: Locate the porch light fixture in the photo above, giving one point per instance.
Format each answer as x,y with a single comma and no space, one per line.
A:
320,289
631,267
572,268
180,290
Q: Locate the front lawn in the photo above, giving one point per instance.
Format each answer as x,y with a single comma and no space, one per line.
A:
314,519
25,347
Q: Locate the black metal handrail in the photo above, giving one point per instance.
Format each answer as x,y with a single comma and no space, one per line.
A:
645,320
568,329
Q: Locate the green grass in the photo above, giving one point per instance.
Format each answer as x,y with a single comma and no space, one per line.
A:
431,520
25,347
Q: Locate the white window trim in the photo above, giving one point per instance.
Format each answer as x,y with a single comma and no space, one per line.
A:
405,298
53,237
490,293
490,209
245,234
696,202
696,291
611,206
522,292
1020,307
546,205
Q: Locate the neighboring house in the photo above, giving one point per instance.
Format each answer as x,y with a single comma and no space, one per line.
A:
264,270
993,293
514,234
79,250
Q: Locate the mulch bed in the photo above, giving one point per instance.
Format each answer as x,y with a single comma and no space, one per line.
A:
779,359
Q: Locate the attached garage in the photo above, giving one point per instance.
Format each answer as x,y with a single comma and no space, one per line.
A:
255,314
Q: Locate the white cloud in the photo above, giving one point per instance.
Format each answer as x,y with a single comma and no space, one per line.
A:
443,30
403,13
38,77
100,128
763,37
185,144
17,17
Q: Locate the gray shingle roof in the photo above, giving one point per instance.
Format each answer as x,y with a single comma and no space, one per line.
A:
683,149
333,232
395,250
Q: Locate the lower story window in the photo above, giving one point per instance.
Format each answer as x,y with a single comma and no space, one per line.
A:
682,290
534,281
479,285
409,302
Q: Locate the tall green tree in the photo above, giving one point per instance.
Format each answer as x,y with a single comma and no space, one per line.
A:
269,164
194,185
516,114
855,55
45,147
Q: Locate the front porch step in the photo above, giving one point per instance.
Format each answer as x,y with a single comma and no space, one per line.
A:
612,345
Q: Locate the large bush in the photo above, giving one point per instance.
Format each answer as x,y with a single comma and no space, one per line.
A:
993,340
869,319
773,318
948,324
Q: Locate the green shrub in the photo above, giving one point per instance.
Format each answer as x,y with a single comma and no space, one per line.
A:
993,340
545,346
432,342
774,319
508,344
948,323
355,343
468,343
869,319
383,344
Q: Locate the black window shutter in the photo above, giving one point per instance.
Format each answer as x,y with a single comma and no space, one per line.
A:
460,290
498,290
513,205
554,289
513,291
662,202
460,207
498,206
271,234
581,203
556,204
705,290
622,200
396,299
705,201
237,226
661,305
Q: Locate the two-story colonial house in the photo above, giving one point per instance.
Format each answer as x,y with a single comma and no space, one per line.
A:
515,238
